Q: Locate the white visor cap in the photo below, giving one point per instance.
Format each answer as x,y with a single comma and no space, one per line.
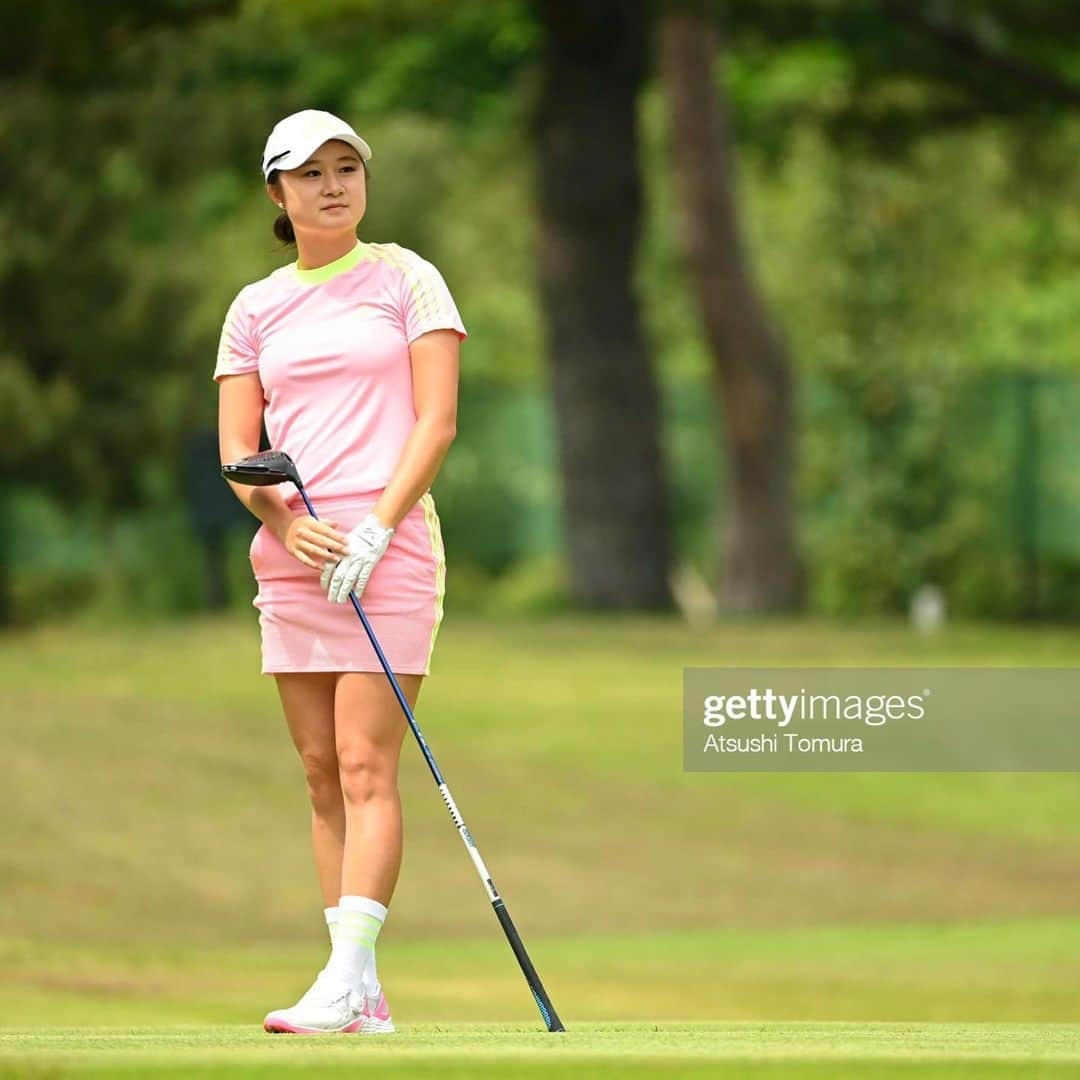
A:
298,136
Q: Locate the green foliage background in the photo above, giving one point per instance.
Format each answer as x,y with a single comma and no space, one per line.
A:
915,273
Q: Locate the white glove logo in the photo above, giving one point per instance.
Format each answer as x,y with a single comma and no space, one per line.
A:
367,544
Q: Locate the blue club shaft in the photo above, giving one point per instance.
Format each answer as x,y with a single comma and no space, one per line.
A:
543,1002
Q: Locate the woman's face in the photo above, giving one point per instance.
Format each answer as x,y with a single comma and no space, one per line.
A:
327,193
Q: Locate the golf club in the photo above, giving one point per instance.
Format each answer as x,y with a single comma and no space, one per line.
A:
275,467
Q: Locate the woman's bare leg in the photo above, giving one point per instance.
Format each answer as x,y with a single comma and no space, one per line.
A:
307,699
370,727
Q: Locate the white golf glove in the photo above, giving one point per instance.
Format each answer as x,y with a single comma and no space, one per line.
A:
367,544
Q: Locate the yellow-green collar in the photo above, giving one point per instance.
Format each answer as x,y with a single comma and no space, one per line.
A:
319,274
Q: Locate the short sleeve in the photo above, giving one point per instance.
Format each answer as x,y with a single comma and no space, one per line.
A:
426,301
237,353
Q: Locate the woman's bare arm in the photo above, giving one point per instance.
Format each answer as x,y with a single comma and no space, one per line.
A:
434,357
240,413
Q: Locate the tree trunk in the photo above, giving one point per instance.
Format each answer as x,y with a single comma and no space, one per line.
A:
606,404
7,604
752,375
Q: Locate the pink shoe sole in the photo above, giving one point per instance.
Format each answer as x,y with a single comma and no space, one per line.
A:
279,1027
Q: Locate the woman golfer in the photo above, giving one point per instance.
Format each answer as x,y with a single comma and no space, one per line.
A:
350,357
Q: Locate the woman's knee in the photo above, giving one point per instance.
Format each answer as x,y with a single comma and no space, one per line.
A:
367,770
323,780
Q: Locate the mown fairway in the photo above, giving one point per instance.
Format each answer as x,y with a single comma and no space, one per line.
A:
156,869
684,1050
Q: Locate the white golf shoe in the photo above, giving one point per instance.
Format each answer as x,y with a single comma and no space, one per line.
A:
329,1006
377,1017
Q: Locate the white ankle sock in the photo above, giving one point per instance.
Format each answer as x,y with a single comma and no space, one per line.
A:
358,924
371,974
331,914
371,979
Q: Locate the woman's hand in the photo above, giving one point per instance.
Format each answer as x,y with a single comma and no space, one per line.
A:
367,544
313,541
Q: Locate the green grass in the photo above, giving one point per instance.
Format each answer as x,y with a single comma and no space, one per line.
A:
1018,971
156,871
746,1049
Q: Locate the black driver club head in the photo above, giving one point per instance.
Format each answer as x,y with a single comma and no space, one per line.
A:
262,470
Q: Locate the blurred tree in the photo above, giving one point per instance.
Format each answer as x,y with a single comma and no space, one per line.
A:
889,84
589,195
909,67
84,379
752,374
131,133
912,70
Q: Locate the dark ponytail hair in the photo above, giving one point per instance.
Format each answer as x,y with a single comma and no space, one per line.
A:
283,229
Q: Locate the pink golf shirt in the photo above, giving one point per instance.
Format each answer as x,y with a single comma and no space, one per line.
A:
331,347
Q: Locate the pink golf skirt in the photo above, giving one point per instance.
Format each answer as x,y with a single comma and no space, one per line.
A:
403,600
